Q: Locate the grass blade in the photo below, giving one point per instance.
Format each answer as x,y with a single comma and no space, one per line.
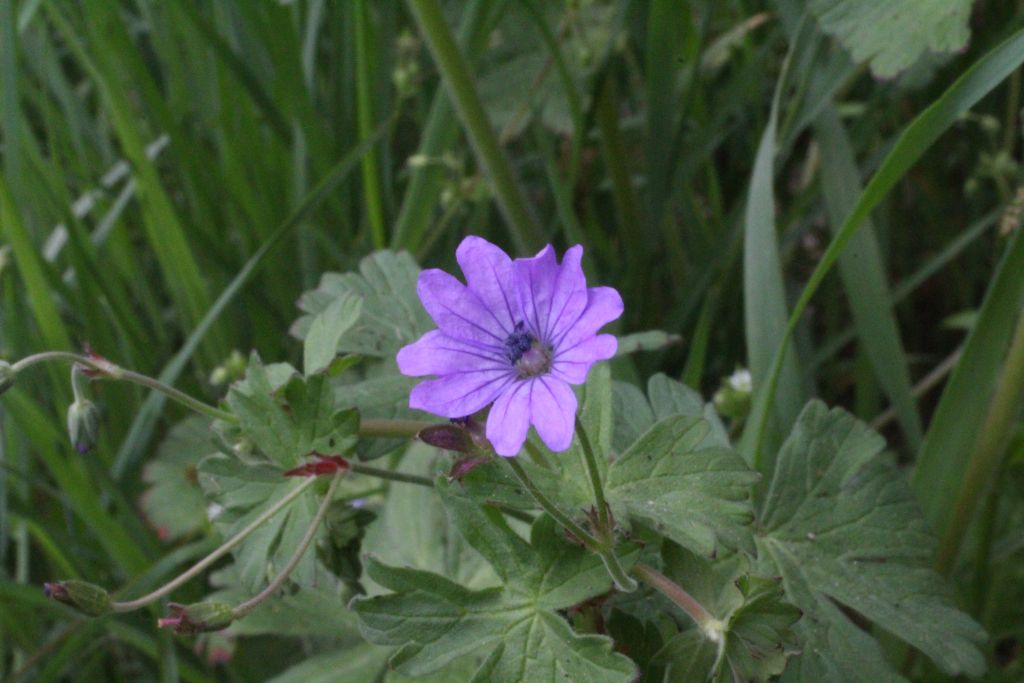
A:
764,294
863,274
523,228
942,463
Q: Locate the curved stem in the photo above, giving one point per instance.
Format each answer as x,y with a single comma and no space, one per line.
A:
367,428
605,550
603,522
623,581
215,555
572,527
109,370
674,592
247,606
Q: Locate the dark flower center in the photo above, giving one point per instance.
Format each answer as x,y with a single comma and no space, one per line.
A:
530,356
518,343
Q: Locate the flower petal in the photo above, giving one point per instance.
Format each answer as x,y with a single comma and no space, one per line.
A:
457,310
435,353
552,296
553,411
489,274
459,394
603,306
573,364
509,420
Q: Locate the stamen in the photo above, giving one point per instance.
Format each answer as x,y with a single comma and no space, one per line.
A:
518,343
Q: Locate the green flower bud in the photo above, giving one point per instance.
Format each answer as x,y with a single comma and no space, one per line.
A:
85,597
733,398
7,376
83,424
201,617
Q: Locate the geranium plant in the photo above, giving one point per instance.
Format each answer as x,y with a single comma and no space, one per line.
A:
622,538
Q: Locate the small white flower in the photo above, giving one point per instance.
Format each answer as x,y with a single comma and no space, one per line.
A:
213,511
741,381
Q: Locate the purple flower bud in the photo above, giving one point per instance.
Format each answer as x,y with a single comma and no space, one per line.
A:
516,335
450,437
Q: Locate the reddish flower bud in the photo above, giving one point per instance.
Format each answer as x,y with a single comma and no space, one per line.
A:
450,437
201,617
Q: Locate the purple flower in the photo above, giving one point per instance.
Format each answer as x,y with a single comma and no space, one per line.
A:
517,334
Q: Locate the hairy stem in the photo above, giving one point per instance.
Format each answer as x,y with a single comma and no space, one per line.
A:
218,553
109,370
572,527
604,549
674,592
244,608
604,529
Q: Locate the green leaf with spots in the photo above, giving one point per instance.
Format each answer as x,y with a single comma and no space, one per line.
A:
893,35
391,314
285,424
516,625
841,526
696,496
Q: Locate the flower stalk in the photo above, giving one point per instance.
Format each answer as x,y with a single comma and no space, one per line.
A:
604,528
674,592
249,605
104,369
216,554
602,548
107,370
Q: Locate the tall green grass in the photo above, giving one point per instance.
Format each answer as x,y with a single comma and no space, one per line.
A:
175,174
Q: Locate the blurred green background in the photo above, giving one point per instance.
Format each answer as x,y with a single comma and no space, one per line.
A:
175,174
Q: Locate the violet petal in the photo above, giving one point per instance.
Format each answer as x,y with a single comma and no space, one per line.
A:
509,419
603,306
457,311
460,394
489,275
435,353
553,412
573,364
